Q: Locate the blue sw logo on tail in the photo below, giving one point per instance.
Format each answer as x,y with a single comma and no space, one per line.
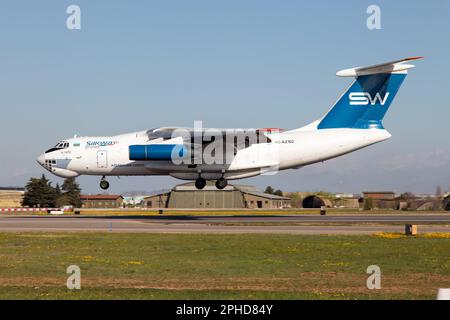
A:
367,100
365,103
363,98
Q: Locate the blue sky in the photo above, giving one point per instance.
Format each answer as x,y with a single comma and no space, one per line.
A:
142,64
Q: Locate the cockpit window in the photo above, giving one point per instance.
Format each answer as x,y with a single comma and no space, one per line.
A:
59,146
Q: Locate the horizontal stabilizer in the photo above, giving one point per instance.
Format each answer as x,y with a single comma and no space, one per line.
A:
397,66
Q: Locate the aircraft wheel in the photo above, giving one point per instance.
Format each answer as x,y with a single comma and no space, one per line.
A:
200,183
221,183
104,184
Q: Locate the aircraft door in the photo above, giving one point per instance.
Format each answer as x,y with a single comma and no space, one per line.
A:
102,159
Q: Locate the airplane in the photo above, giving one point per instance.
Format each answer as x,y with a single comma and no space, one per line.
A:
201,154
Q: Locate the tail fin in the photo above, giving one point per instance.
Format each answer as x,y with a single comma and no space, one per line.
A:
367,100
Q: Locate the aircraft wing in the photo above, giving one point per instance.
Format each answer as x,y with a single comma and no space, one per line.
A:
189,134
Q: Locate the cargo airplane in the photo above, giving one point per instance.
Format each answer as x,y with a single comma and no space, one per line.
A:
200,154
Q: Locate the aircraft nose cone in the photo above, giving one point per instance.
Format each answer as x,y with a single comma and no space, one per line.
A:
41,159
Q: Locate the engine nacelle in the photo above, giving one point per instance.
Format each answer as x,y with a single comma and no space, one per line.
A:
157,152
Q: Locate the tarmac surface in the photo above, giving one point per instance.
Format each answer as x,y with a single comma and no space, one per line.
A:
270,224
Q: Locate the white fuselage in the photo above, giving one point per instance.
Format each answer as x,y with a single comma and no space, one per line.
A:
110,156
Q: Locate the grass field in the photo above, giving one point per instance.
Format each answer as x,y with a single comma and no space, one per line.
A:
200,266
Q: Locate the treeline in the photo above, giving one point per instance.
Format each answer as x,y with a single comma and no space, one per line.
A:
270,190
39,192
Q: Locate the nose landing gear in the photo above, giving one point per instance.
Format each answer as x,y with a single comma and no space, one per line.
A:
104,184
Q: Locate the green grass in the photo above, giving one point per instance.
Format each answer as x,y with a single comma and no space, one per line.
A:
52,293
201,266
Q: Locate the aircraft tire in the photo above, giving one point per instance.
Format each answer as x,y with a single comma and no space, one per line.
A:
221,183
200,183
104,184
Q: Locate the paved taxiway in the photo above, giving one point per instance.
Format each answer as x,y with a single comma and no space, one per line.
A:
307,224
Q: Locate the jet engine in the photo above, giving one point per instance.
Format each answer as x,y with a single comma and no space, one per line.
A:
157,152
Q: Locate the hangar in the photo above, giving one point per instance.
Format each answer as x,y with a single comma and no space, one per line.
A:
313,201
185,196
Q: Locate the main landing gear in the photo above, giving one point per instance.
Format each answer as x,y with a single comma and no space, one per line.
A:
221,183
200,183
104,184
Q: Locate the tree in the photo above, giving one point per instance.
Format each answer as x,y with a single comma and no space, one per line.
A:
407,196
368,204
62,201
278,193
269,190
296,200
58,190
448,186
39,193
71,194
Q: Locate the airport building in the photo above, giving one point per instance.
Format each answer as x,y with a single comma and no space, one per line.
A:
379,195
347,201
11,197
101,201
380,199
232,196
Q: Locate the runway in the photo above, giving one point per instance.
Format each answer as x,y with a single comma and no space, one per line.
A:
288,224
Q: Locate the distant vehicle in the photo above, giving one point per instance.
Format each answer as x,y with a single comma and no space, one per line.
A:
354,122
56,211
67,208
